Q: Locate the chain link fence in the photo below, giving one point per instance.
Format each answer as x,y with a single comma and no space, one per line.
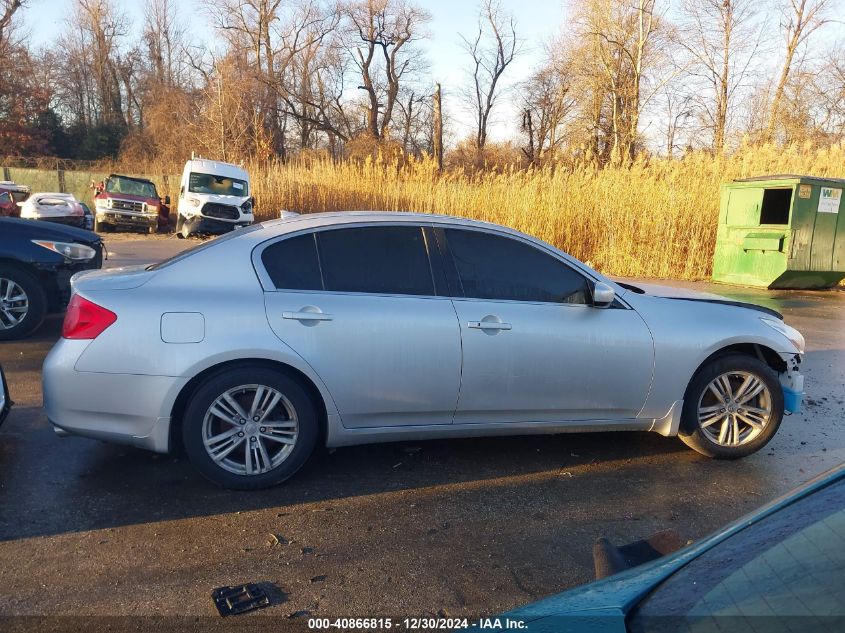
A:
76,177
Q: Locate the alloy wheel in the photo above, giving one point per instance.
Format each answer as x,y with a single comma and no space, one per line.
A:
14,304
734,408
250,429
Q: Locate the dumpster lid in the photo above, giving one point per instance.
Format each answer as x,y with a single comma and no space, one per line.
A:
839,181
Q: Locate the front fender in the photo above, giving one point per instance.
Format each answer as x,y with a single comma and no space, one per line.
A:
687,333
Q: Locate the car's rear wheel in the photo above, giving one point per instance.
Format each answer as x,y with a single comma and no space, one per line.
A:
23,304
732,408
249,428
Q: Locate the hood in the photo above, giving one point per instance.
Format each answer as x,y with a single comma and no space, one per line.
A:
686,294
35,230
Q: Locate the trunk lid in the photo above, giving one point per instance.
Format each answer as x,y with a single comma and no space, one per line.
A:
124,278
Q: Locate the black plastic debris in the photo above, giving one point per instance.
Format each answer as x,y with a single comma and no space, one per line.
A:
239,599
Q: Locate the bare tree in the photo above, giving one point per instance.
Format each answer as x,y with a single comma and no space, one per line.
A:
437,124
8,8
801,18
381,36
547,103
164,41
248,28
491,50
100,28
721,38
620,36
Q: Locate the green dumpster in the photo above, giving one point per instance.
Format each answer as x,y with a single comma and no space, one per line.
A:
783,231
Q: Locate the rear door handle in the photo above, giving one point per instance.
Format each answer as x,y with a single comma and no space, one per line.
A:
489,325
307,316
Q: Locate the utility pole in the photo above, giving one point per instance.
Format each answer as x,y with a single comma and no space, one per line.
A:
438,130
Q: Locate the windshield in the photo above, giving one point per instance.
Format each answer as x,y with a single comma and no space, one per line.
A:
131,187
218,185
789,565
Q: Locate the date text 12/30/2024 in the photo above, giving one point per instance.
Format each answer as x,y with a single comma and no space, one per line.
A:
415,624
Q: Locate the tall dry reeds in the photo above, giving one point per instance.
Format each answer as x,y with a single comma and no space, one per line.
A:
652,218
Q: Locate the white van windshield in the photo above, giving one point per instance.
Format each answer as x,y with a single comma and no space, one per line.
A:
218,185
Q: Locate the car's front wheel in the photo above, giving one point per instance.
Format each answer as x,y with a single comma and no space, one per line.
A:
249,428
732,408
23,303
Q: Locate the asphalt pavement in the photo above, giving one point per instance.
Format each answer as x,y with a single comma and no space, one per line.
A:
458,527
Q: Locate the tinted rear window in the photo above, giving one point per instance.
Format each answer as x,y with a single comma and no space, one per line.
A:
293,264
375,259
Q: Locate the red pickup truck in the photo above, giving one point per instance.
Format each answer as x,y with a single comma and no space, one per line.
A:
124,202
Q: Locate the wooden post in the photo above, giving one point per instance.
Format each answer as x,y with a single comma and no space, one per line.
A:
438,129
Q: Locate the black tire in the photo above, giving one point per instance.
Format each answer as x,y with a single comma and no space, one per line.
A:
216,385
37,303
691,431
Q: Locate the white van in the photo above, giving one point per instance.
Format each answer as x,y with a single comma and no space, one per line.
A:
214,197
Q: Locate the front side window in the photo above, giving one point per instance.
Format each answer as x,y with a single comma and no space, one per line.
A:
502,268
375,259
5,197
217,185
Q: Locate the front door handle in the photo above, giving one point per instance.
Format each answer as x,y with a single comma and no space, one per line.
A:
307,316
489,325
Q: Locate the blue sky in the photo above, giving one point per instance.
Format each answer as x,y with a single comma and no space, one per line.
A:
537,21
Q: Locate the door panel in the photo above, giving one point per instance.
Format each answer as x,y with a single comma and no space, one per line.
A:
555,362
387,361
534,348
359,305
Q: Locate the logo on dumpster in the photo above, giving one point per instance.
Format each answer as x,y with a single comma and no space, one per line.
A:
829,200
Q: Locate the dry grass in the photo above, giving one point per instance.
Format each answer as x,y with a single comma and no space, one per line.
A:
651,219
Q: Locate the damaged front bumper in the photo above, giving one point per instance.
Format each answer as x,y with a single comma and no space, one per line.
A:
792,383
212,226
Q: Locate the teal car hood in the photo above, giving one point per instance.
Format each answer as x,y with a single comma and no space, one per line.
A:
602,605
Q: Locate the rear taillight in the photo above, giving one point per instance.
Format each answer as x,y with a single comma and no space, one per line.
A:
85,319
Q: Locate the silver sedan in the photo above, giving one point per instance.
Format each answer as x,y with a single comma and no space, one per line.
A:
350,328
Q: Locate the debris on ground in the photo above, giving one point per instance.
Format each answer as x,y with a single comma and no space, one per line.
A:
239,599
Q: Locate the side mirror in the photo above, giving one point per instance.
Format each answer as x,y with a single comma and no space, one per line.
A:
603,295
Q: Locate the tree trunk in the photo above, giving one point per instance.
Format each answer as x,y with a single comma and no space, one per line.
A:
438,129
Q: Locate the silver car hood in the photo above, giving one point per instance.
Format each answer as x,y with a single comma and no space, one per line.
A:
686,294
671,292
